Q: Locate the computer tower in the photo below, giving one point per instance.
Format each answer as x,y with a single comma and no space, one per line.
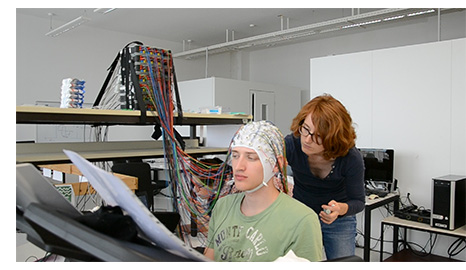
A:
448,202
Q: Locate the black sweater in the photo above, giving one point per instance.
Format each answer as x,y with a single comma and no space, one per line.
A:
345,183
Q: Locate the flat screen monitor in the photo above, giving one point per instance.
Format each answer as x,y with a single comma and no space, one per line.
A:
378,164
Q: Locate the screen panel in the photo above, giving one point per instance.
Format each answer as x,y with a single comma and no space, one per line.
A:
378,164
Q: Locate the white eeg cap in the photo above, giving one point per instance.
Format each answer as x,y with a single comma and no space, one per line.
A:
266,140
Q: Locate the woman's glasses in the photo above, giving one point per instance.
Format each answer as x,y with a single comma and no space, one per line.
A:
306,133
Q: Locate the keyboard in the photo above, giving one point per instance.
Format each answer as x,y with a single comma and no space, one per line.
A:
378,192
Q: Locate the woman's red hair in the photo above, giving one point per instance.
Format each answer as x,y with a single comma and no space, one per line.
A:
332,123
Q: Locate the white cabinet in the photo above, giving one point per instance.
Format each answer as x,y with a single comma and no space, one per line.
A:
275,103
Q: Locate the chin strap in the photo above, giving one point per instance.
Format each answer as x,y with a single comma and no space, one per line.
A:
256,188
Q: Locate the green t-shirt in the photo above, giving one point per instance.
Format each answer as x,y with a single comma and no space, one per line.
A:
285,225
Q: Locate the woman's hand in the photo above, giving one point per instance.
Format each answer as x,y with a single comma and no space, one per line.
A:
332,210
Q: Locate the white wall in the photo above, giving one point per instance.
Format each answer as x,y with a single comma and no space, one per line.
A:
42,62
404,98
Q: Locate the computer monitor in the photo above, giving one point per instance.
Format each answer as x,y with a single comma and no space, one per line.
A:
378,164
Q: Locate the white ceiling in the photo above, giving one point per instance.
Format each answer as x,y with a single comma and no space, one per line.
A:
203,26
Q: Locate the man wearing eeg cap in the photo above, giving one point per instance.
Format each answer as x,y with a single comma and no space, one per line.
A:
262,223
262,138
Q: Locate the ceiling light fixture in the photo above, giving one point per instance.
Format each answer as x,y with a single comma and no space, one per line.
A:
68,26
360,24
394,18
421,12
104,10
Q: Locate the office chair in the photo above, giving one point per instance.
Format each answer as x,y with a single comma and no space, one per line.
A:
148,186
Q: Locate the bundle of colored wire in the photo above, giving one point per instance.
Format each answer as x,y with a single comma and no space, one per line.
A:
198,184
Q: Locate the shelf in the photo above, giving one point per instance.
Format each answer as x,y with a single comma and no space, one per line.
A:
395,221
47,153
51,153
71,116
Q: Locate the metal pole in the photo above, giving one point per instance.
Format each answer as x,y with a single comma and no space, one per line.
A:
438,25
206,61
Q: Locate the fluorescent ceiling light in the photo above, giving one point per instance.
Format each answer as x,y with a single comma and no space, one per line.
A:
104,10
360,24
394,18
421,12
68,26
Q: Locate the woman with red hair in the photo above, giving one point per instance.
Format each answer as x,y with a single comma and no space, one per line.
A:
328,170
